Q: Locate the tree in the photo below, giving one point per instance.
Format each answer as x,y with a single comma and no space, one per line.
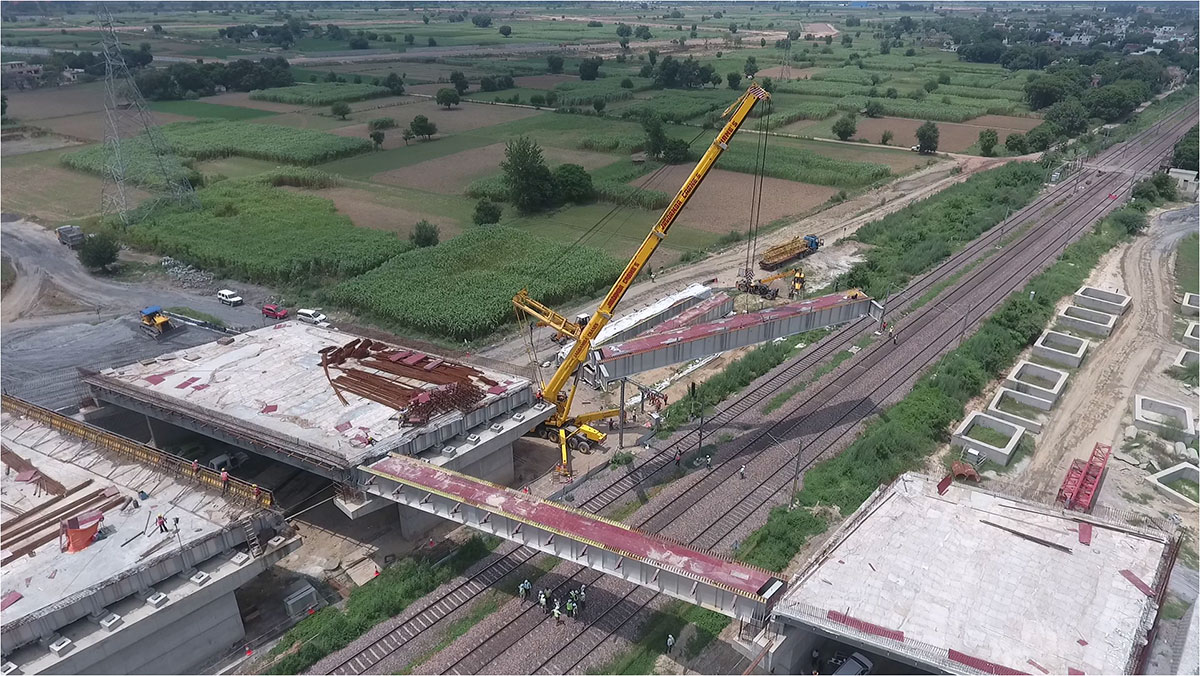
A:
157,28
873,109
377,137
574,183
624,30
886,138
944,78
99,252
589,68
459,81
1187,151
847,41
626,83
424,234
527,179
481,20
421,126
674,151
357,42
845,126
340,108
1046,90
1043,136
408,134
447,97
751,66
892,93
829,39
486,212
1131,221
927,138
555,62
931,86
1069,116
409,38
394,83
598,104
1015,143
988,138
733,27
768,84
656,138
506,31
431,42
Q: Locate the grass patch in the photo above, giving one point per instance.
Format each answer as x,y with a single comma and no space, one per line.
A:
489,604
208,110
1186,487
1189,373
905,434
251,230
783,397
321,94
422,290
676,615
331,629
1187,264
196,314
1175,608
1017,408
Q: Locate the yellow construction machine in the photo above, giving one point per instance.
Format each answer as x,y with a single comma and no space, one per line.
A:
573,430
154,323
762,287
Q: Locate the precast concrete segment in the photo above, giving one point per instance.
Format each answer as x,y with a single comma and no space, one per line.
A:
1105,301
1191,336
592,531
1191,304
1061,348
997,454
1164,418
1184,470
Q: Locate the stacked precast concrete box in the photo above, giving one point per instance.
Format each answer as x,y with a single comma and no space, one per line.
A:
1095,311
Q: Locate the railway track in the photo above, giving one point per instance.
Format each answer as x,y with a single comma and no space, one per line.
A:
618,614
998,277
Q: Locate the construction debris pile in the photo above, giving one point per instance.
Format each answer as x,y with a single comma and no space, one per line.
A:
185,275
418,385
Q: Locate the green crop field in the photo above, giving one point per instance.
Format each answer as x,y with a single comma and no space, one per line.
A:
321,94
463,289
210,139
208,110
249,229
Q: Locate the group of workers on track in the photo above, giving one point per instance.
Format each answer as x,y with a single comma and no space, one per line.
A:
576,599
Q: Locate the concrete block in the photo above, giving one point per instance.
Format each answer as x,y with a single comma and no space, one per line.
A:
1088,321
1105,301
998,454
110,622
9,669
276,541
199,578
1184,470
1191,304
1173,422
1061,348
239,558
1186,357
1005,395
1040,381
1192,335
61,646
157,600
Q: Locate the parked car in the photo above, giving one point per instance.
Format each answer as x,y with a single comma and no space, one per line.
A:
226,461
274,311
855,665
229,298
311,316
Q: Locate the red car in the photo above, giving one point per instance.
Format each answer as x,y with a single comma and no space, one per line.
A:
274,312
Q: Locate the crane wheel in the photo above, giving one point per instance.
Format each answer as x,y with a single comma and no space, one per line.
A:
584,447
573,443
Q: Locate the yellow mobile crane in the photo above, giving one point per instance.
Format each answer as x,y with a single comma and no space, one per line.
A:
566,427
762,287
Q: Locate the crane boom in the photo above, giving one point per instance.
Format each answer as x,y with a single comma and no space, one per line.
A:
552,391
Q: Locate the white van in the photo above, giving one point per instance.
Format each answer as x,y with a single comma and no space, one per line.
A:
229,298
311,316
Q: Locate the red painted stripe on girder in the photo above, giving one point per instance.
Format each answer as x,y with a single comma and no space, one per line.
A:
864,626
1137,582
981,664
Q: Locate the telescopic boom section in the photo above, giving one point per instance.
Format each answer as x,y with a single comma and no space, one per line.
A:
736,114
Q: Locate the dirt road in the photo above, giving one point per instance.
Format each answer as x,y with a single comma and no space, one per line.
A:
1130,361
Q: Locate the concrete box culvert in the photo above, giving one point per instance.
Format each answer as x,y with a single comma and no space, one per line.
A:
1173,422
1105,301
1005,396
1192,335
1184,470
1088,321
1186,358
997,454
1040,381
1061,348
1191,304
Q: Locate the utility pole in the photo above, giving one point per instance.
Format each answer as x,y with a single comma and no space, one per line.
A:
621,419
796,477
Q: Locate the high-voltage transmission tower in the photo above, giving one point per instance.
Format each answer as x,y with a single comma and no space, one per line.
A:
130,134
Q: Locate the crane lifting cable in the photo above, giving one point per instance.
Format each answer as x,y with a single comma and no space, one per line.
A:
756,194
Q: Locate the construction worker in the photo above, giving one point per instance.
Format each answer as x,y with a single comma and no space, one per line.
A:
195,469
892,333
224,481
582,596
570,608
257,492
742,470
557,615
572,595
708,460
542,600
670,642
678,458
162,524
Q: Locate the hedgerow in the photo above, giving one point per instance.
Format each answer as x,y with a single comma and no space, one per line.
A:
905,434
917,237
422,290
320,94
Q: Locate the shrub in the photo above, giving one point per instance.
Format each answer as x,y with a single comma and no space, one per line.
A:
381,123
99,251
486,212
574,184
424,234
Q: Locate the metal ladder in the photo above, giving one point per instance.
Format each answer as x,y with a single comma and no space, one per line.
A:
252,538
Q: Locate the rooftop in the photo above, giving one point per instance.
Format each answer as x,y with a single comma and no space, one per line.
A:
35,585
970,577
279,381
